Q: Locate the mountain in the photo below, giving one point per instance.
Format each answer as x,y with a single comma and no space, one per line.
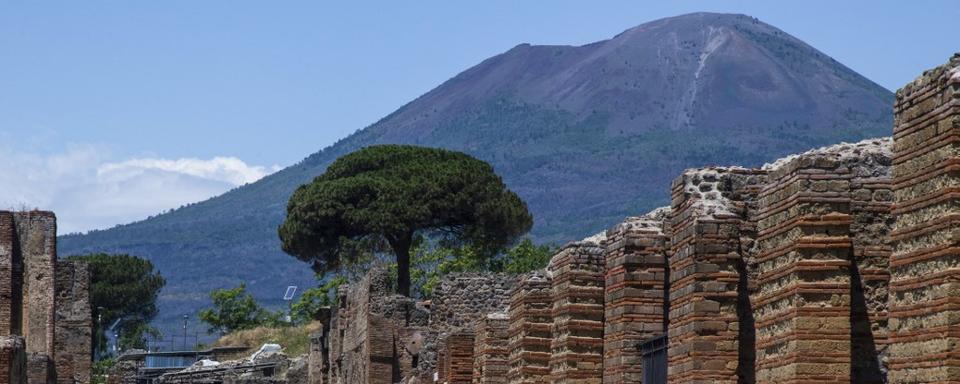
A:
585,134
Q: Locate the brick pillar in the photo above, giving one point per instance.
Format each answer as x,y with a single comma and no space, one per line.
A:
457,351
636,280
576,351
40,369
529,330
709,276
925,265
803,302
11,278
74,326
37,236
13,360
491,350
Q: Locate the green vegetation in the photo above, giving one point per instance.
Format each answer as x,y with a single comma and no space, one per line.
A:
308,306
234,309
123,288
295,340
100,371
395,193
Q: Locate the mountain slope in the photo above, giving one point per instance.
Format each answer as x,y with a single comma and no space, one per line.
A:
586,135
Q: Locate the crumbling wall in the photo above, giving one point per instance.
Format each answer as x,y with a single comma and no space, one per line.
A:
11,277
461,299
531,319
37,238
634,302
816,277
13,360
576,348
491,349
40,369
456,353
74,323
376,335
710,318
924,300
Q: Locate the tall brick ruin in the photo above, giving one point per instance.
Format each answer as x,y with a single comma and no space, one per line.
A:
74,328
491,349
815,272
710,318
924,308
529,330
576,347
635,303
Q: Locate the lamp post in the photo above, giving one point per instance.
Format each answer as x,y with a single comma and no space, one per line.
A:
185,317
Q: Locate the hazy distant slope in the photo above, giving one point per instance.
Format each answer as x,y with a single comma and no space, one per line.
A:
586,135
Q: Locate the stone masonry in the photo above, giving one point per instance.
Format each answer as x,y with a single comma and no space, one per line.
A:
636,279
13,360
924,325
709,225
74,325
811,300
576,349
491,350
531,319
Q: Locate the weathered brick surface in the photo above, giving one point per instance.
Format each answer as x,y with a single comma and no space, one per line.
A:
811,310
491,349
74,322
13,360
11,277
710,230
635,293
40,369
37,238
924,325
576,349
457,358
529,330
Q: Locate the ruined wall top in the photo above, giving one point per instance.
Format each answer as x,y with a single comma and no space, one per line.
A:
712,192
461,299
650,222
867,158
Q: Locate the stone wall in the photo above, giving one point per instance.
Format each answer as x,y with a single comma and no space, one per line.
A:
925,266
530,322
11,277
812,318
491,349
710,317
74,322
37,239
576,347
13,360
461,299
635,283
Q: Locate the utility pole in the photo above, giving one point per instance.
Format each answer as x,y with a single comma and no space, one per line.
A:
185,317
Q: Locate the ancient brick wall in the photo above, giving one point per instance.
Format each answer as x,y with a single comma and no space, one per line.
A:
74,322
461,299
710,318
816,277
635,284
576,348
37,238
457,360
11,277
530,322
40,369
491,349
13,360
375,334
924,304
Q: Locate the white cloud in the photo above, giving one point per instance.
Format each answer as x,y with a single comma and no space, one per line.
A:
88,191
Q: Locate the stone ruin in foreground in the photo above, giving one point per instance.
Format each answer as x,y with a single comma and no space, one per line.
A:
45,316
841,264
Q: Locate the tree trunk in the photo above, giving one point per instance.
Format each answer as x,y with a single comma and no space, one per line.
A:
401,247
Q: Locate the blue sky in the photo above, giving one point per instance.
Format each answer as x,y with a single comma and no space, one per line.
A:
114,110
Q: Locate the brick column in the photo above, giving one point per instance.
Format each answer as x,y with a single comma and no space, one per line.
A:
37,236
529,331
74,327
709,276
576,351
11,277
636,280
491,350
803,303
925,266
457,351
13,360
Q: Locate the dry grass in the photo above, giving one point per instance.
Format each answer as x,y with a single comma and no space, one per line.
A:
294,340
